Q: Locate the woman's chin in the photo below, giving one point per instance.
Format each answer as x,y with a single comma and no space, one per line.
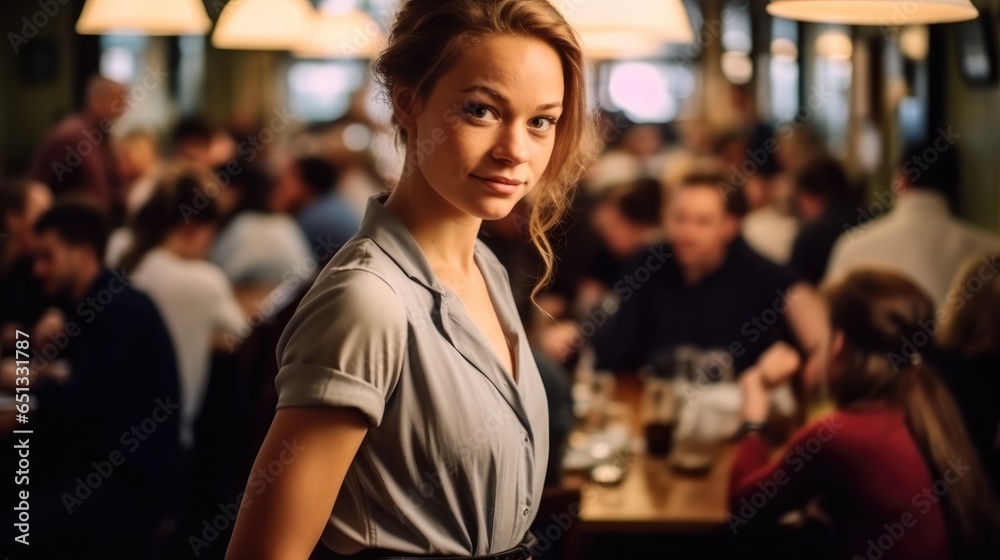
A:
488,208
495,210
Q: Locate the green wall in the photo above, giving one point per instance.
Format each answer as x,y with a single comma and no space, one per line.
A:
974,112
28,110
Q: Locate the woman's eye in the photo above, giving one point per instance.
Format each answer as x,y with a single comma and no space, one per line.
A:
542,124
479,111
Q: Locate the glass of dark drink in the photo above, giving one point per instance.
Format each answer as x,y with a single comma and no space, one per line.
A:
659,438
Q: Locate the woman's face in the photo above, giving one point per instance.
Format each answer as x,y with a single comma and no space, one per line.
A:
484,135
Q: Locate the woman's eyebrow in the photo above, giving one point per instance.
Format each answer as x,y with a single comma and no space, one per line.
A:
504,100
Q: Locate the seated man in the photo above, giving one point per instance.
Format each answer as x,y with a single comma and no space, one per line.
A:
706,301
919,238
106,429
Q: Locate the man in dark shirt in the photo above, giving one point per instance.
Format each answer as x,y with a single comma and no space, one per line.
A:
105,431
824,200
709,296
76,157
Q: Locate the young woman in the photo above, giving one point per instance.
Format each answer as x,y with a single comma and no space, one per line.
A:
411,417
893,463
969,337
171,236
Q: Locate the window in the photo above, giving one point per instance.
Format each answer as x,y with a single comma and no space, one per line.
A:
647,92
784,69
322,90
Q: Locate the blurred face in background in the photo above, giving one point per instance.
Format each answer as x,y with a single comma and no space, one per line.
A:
56,263
759,191
809,206
106,100
196,152
137,156
37,200
200,238
484,135
222,149
290,192
699,227
621,236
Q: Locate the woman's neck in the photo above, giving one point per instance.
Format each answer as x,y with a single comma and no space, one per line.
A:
176,245
445,234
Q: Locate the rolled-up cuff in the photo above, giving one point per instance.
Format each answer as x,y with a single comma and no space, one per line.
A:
310,385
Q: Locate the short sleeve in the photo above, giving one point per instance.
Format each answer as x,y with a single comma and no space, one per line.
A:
228,316
344,345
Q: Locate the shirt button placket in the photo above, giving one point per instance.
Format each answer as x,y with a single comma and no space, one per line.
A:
527,443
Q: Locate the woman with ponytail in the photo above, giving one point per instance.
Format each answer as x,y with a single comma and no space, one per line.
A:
893,464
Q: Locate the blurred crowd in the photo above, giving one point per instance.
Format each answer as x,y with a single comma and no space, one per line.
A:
154,273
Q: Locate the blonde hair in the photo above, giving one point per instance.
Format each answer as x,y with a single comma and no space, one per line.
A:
427,37
877,311
970,316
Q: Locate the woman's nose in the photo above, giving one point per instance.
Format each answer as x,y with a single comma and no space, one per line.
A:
511,146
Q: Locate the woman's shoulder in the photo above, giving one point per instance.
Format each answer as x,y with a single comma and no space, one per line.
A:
873,420
354,294
361,253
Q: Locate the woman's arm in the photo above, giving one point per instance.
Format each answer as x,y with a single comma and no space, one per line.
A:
761,488
807,316
283,515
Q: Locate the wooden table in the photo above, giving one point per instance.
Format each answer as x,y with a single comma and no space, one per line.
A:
653,497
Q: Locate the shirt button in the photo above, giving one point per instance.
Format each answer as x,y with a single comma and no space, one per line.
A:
525,439
526,511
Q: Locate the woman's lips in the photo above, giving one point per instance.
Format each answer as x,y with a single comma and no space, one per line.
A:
500,185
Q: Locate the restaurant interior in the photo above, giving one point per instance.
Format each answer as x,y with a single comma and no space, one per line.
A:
773,328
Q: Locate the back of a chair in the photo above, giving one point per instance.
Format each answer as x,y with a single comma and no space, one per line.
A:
557,526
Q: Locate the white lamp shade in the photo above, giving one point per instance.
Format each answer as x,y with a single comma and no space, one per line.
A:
874,12
608,45
145,17
351,35
665,21
276,25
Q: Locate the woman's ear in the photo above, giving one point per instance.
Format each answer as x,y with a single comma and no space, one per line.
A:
406,107
837,343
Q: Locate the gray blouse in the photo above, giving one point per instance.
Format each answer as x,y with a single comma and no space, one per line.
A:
455,458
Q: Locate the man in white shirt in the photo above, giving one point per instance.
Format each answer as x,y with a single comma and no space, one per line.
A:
920,237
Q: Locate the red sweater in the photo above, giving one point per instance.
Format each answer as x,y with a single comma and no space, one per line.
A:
867,467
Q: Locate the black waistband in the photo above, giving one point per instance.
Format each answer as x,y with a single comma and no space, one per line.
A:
520,552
